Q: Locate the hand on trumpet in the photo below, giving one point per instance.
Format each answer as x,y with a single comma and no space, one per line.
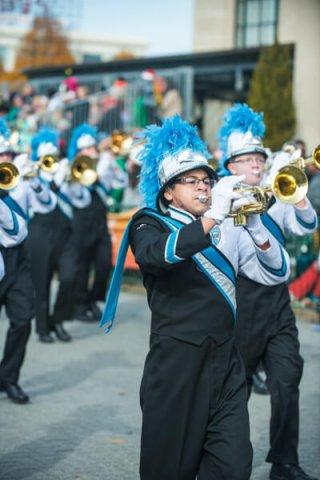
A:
62,173
246,199
25,165
223,193
279,160
287,180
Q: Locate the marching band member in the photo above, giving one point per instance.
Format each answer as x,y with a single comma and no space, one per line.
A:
266,327
51,244
193,391
92,237
16,288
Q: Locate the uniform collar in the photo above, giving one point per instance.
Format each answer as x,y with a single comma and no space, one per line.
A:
180,215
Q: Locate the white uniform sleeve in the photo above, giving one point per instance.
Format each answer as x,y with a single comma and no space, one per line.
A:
40,197
110,174
268,267
13,227
79,196
294,220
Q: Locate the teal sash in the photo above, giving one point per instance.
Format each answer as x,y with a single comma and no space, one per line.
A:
215,266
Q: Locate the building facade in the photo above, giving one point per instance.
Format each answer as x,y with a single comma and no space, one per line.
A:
85,48
237,24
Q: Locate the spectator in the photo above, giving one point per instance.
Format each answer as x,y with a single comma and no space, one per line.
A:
171,102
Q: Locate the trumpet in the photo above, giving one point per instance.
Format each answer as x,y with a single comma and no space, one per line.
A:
84,170
289,185
9,176
121,142
259,205
47,163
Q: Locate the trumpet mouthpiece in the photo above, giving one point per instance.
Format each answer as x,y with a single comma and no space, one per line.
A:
203,198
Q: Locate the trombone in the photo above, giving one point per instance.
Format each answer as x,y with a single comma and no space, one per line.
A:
83,170
289,185
9,176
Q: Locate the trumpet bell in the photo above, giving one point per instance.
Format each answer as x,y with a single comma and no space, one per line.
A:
290,185
9,176
49,163
121,143
83,170
316,157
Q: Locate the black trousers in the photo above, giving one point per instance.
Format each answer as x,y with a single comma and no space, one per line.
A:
95,256
194,409
17,296
266,331
52,249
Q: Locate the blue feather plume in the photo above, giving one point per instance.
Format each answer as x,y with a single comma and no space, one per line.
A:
172,137
45,135
239,118
4,129
83,129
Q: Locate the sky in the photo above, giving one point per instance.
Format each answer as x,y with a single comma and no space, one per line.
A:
166,25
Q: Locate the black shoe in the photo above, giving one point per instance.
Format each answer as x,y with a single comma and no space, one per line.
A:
85,316
14,392
61,333
259,385
46,338
96,311
288,471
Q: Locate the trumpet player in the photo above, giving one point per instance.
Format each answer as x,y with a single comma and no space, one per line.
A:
92,237
51,244
16,287
266,327
193,391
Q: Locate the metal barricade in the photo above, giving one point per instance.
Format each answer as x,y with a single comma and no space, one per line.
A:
108,113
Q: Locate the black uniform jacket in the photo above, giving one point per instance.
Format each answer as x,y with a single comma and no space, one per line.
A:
90,223
184,304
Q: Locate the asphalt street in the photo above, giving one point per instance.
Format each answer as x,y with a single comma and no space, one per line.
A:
83,422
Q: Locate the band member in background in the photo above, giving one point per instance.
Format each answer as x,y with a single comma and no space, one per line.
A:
193,391
266,327
16,287
92,237
51,244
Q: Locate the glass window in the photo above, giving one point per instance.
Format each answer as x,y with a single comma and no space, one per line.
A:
256,22
253,13
268,11
252,36
91,58
267,35
240,14
239,36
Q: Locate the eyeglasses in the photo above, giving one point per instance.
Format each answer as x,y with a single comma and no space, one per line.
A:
250,161
195,182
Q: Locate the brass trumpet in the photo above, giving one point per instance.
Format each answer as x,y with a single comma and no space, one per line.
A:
289,185
47,163
121,142
9,176
84,170
259,205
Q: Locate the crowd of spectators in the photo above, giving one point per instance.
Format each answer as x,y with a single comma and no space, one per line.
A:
123,105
